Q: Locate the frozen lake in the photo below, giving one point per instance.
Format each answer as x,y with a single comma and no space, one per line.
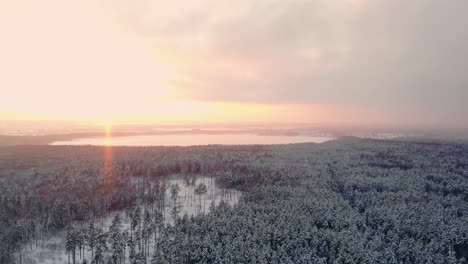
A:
192,139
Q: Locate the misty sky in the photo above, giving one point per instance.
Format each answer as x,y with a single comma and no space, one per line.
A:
392,62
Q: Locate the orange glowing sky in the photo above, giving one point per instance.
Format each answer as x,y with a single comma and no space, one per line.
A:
214,61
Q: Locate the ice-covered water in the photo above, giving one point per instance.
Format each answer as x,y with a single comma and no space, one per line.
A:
192,139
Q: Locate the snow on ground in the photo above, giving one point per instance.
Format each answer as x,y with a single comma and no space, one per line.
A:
52,249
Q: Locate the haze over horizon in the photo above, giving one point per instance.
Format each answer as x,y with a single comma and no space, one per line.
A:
348,62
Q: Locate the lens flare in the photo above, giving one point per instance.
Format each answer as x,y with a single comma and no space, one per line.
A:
108,170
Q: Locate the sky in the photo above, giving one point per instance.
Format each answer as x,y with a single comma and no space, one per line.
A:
351,62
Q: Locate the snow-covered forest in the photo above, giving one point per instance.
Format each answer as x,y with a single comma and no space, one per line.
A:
344,201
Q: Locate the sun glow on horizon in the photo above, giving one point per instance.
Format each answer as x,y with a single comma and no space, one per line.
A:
186,112
108,132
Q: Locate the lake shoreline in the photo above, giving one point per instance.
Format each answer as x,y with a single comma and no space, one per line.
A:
194,140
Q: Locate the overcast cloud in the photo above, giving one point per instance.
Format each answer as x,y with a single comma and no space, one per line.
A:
403,57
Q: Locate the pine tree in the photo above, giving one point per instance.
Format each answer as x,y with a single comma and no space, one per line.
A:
139,258
132,253
71,243
175,189
147,232
101,246
91,238
125,237
201,190
135,220
81,242
116,240
158,258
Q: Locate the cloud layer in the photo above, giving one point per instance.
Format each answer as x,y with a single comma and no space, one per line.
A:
408,58
395,62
